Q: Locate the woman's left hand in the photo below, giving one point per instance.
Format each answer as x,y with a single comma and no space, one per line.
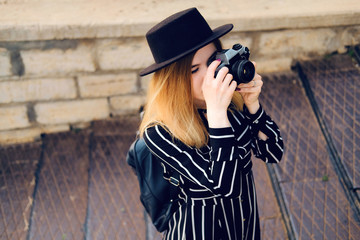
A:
250,92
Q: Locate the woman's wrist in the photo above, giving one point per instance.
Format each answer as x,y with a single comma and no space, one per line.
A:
253,107
217,119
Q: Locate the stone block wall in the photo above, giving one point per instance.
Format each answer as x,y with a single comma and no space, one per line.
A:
50,86
55,85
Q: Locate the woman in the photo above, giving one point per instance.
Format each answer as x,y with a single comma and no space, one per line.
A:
205,127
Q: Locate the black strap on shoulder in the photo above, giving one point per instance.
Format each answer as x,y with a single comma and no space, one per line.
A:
171,176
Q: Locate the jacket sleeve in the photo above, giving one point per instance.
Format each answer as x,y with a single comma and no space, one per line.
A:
271,150
218,173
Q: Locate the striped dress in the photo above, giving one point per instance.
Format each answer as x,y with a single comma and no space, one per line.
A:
218,197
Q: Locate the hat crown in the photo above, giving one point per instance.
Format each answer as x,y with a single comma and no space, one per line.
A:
177,34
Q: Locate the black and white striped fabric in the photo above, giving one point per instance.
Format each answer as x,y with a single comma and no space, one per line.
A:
217,187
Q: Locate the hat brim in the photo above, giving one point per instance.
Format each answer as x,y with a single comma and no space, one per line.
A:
217,33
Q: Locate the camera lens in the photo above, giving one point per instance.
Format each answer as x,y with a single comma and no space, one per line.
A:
243,71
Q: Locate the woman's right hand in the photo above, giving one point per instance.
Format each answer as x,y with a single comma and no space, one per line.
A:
218,93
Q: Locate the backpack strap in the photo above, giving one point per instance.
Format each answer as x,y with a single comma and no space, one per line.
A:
139,147
131,156
173,178
170,176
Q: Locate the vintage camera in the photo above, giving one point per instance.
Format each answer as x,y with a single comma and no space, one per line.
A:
237,60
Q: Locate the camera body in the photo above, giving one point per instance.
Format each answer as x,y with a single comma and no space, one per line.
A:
237,61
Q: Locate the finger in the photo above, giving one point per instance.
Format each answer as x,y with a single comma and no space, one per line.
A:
228,78
254,64
223,72
249,90
252,84
233,85
257,80
228,87
211,69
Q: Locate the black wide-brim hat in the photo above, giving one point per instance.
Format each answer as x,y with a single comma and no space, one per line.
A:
178,36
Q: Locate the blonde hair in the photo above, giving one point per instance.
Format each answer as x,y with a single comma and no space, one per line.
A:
170,103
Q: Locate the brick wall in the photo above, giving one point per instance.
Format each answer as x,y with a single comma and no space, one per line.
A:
54,85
